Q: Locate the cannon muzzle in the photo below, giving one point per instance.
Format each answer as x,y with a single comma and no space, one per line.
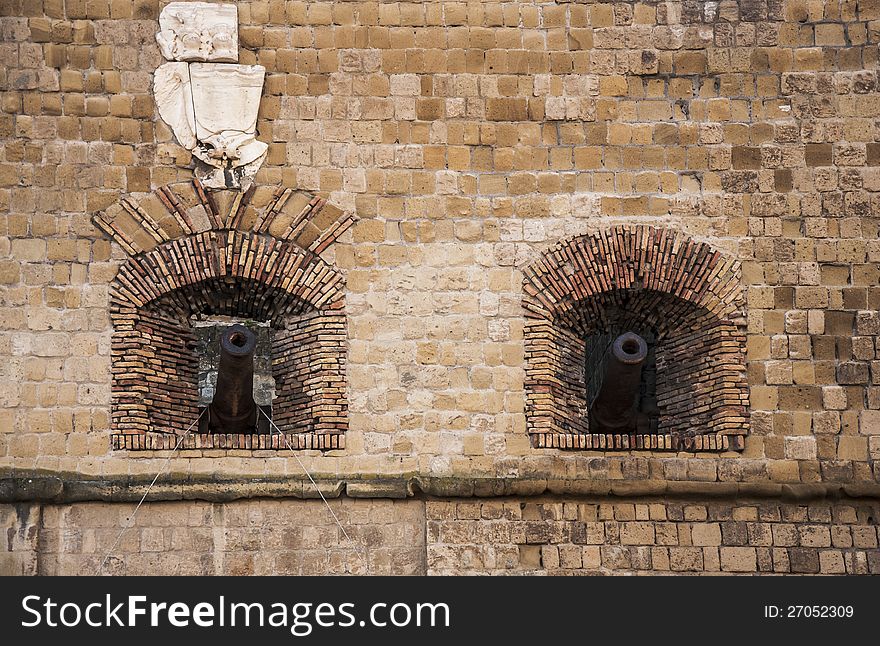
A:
615,408
233,409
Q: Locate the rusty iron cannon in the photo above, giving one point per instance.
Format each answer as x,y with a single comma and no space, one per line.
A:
615,408
233,409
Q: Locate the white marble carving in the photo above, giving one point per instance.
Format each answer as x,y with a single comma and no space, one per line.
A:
173,92
199,31
226,100
211,107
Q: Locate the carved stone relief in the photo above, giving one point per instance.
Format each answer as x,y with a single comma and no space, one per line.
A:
211,107
199,31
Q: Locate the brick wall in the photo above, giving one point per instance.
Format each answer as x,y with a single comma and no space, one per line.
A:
159,294
650,281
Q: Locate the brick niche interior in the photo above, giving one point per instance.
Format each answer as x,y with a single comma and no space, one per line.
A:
243,272
660,284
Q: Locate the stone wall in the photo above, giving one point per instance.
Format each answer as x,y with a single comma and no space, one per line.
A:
645,536
198,538
462,141
21,529
508,536
468,139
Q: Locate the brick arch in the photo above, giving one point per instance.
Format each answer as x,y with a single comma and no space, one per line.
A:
632,257
683,292
140,222
302,278
254,255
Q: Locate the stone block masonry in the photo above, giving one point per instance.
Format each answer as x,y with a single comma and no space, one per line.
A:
642,536
423,159
243,538
443,537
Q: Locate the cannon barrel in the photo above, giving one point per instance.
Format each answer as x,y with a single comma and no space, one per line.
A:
233,409
614,408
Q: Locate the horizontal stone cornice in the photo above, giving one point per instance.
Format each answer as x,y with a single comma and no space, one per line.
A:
51,487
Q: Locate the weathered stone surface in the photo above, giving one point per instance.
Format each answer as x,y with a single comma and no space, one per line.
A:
212,110
199,31
236,538
225,100
211,107
547,536
465,144
173,91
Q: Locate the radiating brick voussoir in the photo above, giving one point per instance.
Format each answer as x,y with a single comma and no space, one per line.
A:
203,257
625,257
141,221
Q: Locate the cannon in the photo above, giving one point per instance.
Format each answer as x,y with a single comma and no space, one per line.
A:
615,408
233,409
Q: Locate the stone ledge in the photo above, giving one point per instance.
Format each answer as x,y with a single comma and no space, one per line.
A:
716,442
153,441
67,488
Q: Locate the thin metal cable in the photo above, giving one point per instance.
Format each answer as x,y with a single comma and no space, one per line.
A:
320,493
147,492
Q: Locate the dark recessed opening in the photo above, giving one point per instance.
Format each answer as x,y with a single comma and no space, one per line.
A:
631,346
237,339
